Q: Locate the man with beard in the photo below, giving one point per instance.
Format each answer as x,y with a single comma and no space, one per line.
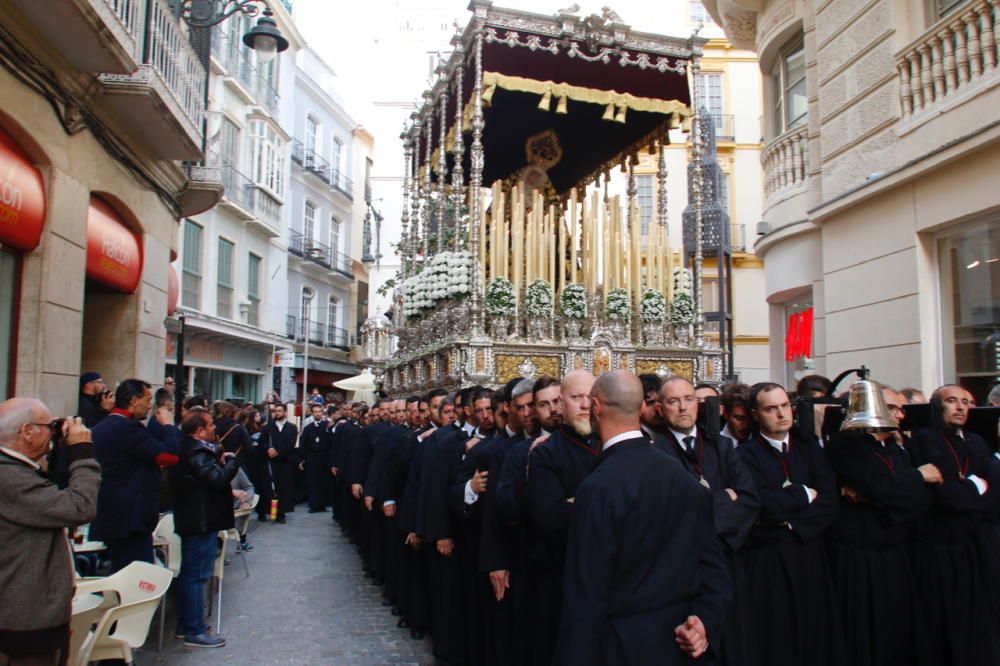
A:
949,567
882,497
548,404
346,442
713,462
315,441
642,558
370,539
555,469
789,603
736,413
650,418
279,439
394,415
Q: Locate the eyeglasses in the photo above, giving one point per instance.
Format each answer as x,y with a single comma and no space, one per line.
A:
169,382
54,426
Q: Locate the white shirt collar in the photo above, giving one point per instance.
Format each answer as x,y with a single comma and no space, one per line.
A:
468,428
776,443
680,436
20,456
510,433
726,432
621,437
280,424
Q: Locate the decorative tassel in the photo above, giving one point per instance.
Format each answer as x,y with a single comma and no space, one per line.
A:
546,102
488,94
609,112
561,105
620,116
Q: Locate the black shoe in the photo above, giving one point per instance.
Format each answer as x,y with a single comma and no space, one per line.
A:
317,511
402,624
280,521
417,635
204,641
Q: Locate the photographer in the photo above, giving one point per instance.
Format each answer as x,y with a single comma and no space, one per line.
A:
96,401
36,574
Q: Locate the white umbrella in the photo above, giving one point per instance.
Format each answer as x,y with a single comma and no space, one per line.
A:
361,386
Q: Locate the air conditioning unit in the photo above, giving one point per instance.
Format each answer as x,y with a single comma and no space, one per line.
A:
763,228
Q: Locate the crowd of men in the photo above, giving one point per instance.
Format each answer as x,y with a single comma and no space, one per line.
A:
591,520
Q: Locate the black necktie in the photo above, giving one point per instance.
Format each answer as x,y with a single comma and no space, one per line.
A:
784,448
689,447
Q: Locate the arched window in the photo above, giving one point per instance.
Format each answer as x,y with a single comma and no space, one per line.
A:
306,313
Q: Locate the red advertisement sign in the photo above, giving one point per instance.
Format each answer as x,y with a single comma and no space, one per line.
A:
22,197
114,257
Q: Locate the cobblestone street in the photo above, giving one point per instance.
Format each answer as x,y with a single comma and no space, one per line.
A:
306,602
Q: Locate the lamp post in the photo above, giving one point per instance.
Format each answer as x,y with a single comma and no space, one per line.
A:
265,38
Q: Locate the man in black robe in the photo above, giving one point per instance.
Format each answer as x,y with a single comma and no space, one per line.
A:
370,544
882,497
336,414
947,560
646,581
278,440
346,442
788,604
377,487
555,469
713,462
315,442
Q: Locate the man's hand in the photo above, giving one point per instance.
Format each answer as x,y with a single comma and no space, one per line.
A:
302,466
930,473
478,482
813,494
471,443
107,401
692,637
334,471
165,416
538,440
369,502
389,510
569,500
74,431
851,495
412,540
241,495
272,453
500,581
732,494
356,490
226,455
446,547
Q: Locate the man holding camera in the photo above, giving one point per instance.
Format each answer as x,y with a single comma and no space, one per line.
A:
96,401
204,506
36,572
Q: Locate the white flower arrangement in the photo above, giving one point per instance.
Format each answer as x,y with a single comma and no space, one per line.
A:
653,306
682,309
500,298
619,306
446,275
573,301
682,279
538,300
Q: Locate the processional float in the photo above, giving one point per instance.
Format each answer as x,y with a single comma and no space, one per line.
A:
515,259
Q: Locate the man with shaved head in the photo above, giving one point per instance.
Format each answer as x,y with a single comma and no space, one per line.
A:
642,556
947,561
36,572
555,468
714,463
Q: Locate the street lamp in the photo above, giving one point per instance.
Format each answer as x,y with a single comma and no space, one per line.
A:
265,38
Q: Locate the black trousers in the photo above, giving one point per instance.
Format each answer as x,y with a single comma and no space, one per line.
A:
392,557
414,602
136,547
282,474
447,618
317,480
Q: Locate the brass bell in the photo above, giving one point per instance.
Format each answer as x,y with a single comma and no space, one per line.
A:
866,410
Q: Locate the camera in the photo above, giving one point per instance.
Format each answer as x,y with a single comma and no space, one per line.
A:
56,428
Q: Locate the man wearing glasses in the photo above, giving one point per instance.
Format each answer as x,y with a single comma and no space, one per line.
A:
36,573
96,401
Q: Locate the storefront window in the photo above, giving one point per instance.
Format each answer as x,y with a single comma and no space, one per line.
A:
238,387
970,295
798,339
8,266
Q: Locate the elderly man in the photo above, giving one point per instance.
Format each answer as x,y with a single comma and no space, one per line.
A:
642,557
947,562
36,571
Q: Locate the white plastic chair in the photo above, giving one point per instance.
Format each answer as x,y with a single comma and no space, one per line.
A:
124,627
242,517
169,544
218,574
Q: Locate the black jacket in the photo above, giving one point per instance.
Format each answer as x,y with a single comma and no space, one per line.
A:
202,491
90,411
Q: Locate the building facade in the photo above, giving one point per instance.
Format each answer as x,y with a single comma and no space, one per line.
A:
880,214
103,105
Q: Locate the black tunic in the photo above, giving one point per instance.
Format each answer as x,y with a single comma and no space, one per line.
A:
315,441
947,559
869,552
789,601
280,469
715,460
642,557
512,507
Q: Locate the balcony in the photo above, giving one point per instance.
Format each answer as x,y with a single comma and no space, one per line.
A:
314,163
725,125
320,254
251,84
163,102
250,202
106,34
785,161
319,334
203,191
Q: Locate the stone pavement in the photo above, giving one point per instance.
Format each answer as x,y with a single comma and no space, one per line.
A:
306,602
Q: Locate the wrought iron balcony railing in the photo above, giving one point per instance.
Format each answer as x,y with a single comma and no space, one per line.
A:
313,162
725,126
319,253
318,333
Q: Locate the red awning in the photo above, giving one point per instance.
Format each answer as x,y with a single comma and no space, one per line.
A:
114,256
22,197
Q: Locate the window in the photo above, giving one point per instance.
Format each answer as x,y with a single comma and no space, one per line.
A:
191,267
338,149
368,180
305,310
229,141
224,298
333,335
312,132
698,14
334,237
267,156
710,98
253,289
309,223
644,199
724,191
789,83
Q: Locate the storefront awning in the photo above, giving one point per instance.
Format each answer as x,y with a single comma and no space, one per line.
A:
114,256
22,197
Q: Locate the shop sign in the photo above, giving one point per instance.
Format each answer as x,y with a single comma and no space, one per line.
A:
22,197
114,257
284,358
